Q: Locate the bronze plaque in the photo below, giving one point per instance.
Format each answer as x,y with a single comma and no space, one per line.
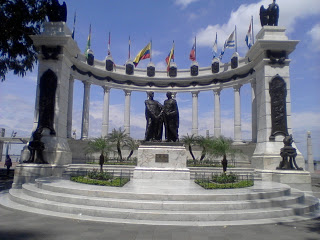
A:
162,158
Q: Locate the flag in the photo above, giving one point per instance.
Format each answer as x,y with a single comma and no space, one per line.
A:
88,42
74,24
193,53
170,56
109,43
249,36
229,43
143,54
215,46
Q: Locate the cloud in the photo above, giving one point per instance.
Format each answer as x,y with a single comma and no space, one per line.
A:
290,12
314,33
184,3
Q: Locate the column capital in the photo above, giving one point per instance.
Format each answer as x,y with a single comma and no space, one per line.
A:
237,87
127,92
106,89
217,91
195,93
86,83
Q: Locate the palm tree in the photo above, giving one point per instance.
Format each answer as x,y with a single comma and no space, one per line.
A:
190,140
133,145
119,137
100,145
221,146
203,142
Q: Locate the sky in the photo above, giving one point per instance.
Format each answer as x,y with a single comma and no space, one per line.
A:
179,20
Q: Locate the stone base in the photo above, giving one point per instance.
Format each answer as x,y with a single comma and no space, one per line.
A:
162,161
296,179
161,173
25,173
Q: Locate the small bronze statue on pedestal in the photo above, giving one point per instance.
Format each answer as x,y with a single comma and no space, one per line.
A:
36,148
288,154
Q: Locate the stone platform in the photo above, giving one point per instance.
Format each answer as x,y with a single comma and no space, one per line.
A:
164,202
162,161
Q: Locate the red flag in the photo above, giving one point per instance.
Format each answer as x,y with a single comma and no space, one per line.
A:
192,55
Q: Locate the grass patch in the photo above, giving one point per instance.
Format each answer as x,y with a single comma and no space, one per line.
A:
225,181
115,182
212,185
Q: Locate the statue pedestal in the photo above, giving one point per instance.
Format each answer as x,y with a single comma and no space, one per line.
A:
294,178
162,161
28,172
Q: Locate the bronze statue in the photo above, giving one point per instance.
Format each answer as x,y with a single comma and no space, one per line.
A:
269,16
171,118
154,119
288,154
36,148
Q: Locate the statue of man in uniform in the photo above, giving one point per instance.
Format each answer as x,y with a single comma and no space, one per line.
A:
154,119
171,118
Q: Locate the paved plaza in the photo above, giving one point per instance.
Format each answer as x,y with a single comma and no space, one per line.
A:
16,225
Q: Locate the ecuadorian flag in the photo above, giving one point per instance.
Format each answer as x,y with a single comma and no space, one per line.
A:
143,54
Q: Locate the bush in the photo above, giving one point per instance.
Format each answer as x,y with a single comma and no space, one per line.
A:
224,178
211,185
95,174
116,182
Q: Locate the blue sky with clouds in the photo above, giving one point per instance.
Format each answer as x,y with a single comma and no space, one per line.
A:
179,20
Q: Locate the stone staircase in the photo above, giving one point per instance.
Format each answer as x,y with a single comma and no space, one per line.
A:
155,202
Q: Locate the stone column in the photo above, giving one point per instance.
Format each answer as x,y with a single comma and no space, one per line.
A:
253,111
237,114
127,111
85,111
217,113
70,107
105,113
195,113
310,155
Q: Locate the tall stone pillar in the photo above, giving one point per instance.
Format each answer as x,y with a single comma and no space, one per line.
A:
217,113
269,55
237,114
57,50
195,113
127,111
310,154
70,107
85,111
253,111
105,114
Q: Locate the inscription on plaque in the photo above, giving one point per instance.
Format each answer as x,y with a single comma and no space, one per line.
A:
162,158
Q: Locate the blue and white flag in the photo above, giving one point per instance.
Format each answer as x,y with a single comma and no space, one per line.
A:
249,40
215,47
229,43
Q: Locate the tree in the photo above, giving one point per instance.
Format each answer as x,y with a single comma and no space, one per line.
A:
102,146
190,140
133,145
221,146
19,19
203,143
119,137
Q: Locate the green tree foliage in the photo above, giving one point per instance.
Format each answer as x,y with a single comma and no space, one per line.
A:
102,146
132,145
119,138
190,140
19,19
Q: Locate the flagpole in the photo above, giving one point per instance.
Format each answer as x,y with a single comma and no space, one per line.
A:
236,38
151,50
129,46
173,49
109,45
195,48
252,30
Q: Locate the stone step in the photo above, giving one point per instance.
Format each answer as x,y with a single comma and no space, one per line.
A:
162,215
31,190
162,190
